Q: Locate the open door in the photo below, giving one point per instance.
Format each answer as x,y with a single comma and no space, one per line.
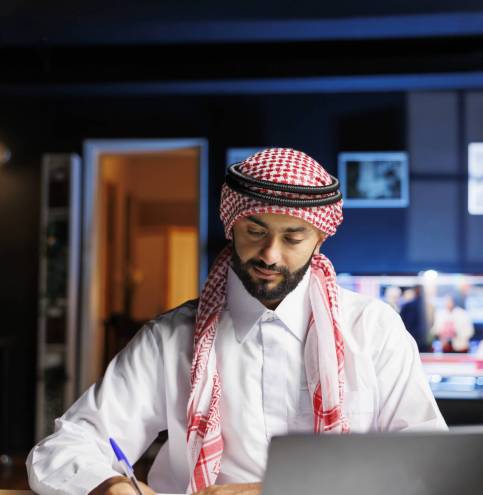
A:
144,239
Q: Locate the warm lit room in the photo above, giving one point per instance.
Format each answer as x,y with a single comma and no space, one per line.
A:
230,229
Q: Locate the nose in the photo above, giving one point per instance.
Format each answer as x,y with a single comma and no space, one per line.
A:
270,253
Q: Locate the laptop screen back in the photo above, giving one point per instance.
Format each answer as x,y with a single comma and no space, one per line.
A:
376,464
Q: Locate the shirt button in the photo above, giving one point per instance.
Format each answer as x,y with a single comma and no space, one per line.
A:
269,317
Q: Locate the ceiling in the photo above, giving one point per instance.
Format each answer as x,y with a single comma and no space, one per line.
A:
30,22
154,46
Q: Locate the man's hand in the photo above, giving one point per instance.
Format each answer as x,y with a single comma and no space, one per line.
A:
120,485
233,489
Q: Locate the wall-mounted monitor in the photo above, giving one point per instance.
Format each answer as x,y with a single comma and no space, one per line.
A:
374,179
475,178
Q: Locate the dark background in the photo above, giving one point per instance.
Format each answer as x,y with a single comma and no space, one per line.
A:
73,71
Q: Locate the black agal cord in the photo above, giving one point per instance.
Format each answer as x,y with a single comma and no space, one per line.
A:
246,185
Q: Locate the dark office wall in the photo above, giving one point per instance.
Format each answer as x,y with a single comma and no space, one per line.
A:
19,221
19,234
321,125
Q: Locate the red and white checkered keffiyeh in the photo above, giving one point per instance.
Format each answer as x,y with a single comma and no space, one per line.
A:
324,349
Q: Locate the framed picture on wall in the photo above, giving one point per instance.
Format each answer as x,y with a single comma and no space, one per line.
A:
234,155
374,179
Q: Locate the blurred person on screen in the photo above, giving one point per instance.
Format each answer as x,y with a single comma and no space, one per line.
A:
414,316
453,327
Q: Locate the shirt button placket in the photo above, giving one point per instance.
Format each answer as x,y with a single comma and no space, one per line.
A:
274,376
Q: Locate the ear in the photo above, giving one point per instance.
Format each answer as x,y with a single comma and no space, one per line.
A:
322,237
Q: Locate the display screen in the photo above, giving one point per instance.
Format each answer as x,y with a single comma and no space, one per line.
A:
444,314
374,179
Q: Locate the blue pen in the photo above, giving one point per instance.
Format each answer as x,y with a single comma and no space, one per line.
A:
126,466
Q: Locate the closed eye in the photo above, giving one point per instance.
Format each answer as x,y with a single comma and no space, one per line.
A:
290,240
256,233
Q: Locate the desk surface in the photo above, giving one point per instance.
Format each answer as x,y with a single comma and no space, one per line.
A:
15,492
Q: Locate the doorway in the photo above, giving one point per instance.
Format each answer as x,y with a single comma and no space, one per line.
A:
145,218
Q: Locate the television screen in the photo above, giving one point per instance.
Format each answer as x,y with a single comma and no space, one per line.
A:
444,314
374,179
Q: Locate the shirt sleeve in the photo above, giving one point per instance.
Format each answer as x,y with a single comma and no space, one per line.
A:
405,398
127,404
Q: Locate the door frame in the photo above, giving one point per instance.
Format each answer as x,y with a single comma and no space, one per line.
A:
89,303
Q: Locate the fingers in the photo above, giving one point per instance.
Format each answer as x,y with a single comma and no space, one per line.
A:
121,488
120,485
233,489
146,489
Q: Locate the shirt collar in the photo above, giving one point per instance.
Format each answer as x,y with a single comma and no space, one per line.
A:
294,311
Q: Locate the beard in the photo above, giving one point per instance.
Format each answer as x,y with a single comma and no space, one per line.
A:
260,289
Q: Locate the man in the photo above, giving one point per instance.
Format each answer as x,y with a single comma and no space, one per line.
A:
415,318
453,327
273,346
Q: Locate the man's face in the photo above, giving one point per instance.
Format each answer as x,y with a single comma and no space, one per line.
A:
272,253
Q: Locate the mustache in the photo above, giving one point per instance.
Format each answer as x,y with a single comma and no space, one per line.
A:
264,266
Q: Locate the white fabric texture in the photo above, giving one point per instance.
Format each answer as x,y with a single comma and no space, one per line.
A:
146,388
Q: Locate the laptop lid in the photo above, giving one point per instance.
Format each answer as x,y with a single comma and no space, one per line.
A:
431,463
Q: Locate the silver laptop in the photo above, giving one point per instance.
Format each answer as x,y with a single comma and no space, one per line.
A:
439,463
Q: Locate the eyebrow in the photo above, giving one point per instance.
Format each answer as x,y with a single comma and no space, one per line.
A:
288,229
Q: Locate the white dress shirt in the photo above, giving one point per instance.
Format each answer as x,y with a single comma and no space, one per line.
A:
264,391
